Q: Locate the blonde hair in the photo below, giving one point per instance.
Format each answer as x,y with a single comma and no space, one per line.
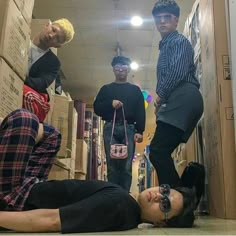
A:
67,28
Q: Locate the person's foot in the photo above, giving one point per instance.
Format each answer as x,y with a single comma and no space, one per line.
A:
194,177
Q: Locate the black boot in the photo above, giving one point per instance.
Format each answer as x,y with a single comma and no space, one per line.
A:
194,176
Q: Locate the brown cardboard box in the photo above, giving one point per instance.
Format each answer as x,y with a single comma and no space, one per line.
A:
11,89
60,120
81,160
59,171
51,93
71,144
218,115
36,27
26,8
80,175
14,37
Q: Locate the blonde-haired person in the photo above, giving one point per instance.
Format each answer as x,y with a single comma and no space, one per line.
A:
44,65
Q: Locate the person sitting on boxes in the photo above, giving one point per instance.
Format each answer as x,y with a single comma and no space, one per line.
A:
30,203
44,65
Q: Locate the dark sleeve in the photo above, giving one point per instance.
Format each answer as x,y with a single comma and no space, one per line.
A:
102,211
45,76
103,102
140,113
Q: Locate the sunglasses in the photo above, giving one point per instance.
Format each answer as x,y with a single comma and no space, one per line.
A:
163,18
165,205
121,67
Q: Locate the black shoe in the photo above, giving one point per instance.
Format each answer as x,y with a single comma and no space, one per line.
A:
194,177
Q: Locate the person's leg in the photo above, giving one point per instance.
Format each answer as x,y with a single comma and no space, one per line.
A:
112,165
125,176
18,132
40,220
44,153
165,140
25,162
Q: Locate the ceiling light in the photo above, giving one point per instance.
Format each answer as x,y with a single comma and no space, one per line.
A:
134,65
136,21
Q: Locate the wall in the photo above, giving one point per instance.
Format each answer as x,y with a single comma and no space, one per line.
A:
232,10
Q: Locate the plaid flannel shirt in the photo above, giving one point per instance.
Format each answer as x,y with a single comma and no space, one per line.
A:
23,163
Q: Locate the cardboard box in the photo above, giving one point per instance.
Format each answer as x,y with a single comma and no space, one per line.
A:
60,120
218,113
51,93
80,175
14,37
26,8
59,172
11,89
81,160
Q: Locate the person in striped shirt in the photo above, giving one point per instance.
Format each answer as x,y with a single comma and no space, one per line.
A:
179,103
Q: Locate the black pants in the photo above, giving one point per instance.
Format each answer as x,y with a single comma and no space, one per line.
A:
165,140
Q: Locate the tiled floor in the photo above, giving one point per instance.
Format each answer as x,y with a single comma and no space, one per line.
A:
203,226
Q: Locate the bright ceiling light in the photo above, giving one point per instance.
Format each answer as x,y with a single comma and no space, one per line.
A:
134,65
136,21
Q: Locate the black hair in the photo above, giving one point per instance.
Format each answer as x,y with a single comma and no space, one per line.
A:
120,60
166,6
186,218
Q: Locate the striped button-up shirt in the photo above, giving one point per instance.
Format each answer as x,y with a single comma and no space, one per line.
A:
175,64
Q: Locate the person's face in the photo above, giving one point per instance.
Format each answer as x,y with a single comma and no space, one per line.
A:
121,71
52,36
166,23
151,204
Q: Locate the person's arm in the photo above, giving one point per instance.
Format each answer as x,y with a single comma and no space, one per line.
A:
180,57
1,119
41,220
103,103
105,210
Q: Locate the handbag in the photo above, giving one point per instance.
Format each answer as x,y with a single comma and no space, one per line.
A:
119,151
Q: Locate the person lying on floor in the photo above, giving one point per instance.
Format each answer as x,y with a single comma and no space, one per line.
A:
30,203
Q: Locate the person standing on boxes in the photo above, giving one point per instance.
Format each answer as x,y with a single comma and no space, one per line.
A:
179,103
44,65
117,102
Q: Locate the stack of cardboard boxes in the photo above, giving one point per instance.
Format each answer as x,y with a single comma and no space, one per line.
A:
214,145
15,17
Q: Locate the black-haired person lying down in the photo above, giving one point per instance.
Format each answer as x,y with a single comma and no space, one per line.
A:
30,203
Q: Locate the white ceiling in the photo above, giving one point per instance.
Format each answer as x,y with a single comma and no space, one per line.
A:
101,25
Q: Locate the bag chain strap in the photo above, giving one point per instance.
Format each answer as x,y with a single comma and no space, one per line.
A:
113,126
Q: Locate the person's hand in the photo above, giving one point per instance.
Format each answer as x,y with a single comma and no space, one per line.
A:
117,104
1,119
158,99
156,107
157,104
138,138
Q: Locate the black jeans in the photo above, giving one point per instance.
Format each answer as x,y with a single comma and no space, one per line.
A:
165,140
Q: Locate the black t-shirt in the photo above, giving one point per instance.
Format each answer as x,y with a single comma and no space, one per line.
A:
87,206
